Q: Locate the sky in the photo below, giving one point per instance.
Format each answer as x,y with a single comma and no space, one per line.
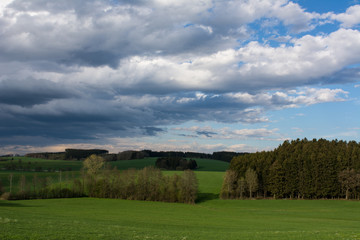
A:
204,76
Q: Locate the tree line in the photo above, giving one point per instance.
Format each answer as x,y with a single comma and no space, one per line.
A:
69,154
81,154
96,181
309,169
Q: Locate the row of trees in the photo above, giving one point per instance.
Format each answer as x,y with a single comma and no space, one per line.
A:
300,169
35,187
80,154
95,181
235,187
146,184
69,154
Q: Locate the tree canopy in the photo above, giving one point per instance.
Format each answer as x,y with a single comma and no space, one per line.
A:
304,169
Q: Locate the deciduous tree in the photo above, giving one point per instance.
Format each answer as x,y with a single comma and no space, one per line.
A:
93,164
251,179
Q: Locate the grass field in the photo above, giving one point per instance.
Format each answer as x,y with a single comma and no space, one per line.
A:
210,218
213,219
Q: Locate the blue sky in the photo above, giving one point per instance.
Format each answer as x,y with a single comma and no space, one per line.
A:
186,75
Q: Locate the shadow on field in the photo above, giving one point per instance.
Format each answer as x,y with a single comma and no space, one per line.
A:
203,197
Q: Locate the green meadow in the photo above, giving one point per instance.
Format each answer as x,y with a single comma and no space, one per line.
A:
209,218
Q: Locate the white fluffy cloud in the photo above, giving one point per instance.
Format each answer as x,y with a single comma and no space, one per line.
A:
291,98
350,18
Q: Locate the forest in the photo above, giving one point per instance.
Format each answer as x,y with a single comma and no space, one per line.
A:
307,169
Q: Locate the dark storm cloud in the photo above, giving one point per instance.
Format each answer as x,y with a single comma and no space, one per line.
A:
30,92
89,118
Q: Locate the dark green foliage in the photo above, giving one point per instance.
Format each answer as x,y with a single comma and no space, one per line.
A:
225,156
302,169
1,187
81,153
47,155
175,163
129,155
222,156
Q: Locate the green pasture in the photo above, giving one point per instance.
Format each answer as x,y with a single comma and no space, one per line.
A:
210,218
89,218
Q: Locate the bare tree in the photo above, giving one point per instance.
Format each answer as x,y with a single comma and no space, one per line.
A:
241,186
251,179
349,180
228,189
188,187
10,181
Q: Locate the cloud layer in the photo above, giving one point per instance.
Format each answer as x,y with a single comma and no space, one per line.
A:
77,71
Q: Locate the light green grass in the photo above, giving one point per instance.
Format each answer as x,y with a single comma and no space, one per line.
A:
211,165
122,219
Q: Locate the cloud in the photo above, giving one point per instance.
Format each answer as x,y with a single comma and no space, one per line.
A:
19,92
97,115
291,98
227,133
350,18
75,71
104,32
241,148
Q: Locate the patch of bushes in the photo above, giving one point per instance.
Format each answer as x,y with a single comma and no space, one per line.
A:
175,163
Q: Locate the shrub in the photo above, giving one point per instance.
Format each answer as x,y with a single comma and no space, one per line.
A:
5,196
